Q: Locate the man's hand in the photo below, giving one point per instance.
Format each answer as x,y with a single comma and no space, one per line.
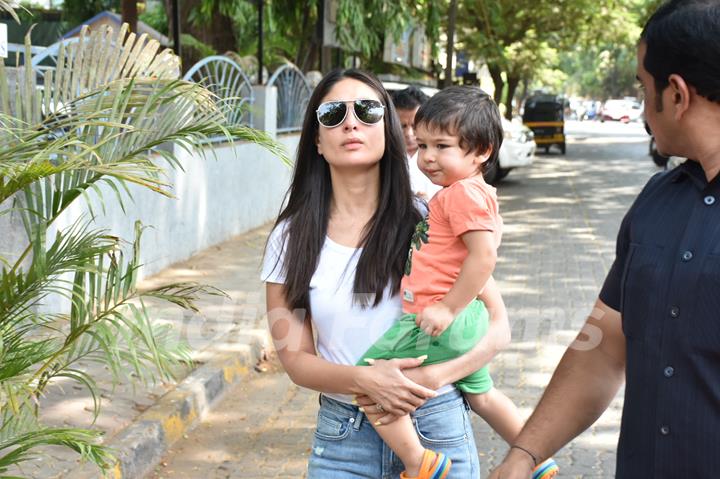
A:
435,319
517,465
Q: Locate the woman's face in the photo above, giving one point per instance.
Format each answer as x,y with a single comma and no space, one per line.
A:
352,143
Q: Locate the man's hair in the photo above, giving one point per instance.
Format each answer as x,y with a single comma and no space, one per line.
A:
683,37
468,113
408,99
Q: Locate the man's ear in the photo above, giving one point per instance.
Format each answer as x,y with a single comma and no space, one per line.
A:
680,95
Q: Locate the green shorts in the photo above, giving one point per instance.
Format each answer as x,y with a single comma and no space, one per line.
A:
405,340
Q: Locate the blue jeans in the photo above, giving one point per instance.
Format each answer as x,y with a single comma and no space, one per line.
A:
346,445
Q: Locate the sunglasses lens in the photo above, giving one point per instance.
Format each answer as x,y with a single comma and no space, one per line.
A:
369,111
332,113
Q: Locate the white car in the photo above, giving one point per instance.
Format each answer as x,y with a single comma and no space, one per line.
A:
625,110
517,150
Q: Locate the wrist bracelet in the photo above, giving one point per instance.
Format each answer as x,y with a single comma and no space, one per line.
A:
532,456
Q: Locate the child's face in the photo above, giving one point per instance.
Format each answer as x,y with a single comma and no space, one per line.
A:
442,159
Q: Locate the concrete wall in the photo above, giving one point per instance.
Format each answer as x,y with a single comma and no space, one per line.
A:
224,191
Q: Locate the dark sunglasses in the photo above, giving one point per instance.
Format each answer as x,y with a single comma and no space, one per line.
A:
332,113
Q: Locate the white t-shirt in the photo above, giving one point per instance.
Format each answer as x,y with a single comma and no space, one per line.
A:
419,182
343,330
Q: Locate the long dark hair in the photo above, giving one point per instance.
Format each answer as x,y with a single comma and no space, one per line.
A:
386,237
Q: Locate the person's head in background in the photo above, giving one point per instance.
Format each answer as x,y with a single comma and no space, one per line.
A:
407,102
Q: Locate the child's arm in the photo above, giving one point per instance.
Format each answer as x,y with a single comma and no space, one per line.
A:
497,338
474,274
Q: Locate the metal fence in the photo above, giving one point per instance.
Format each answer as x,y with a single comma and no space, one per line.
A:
293,94
226,79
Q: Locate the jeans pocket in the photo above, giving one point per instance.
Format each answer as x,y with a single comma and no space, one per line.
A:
442,429
331,427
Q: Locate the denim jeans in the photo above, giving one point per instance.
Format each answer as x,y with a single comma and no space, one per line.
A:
346,445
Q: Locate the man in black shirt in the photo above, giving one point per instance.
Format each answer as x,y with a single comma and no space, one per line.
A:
656,324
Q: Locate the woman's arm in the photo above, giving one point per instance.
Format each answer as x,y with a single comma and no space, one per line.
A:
495,340
384,382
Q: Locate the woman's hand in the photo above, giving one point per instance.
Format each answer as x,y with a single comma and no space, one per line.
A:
384,384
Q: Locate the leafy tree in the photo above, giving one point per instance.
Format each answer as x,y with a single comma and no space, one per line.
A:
91,125
517,38
605,67
290,26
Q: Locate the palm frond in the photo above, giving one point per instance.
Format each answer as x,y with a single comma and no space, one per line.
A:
8,8
98,118
84,442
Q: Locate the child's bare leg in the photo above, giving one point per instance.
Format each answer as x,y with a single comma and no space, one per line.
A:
401,437
498,411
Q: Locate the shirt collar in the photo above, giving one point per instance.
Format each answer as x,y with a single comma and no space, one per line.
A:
691,169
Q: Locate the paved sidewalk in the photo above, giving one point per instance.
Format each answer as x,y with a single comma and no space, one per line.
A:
561,218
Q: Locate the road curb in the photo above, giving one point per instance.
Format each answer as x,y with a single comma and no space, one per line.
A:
141,446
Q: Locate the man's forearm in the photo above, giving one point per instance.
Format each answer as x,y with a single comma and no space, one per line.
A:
582,387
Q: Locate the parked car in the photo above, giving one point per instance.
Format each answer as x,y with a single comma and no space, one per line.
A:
624,110
517,150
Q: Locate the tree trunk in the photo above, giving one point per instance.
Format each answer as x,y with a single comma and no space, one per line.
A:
128,9
498,83
513,82
301,53
220,34
524,94
451,42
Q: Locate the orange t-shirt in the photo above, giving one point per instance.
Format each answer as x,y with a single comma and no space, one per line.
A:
466,205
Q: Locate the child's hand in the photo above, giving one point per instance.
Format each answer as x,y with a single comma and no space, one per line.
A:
435,319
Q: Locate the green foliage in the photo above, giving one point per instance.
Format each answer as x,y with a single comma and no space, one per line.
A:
191,42
605,67
92,124
583,47
156,18
290,26
77,11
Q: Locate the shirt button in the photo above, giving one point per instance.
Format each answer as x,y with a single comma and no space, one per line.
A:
669,371
675,312
709,200
687,256
664,430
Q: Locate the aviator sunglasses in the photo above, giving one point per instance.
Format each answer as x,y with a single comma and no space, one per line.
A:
332,113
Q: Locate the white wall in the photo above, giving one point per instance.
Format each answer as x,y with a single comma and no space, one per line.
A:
218,196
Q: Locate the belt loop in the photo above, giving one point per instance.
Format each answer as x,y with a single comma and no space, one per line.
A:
358,419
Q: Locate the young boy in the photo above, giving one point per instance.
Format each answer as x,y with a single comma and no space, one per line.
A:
452,256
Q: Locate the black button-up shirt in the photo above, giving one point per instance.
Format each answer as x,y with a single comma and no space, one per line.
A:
665,281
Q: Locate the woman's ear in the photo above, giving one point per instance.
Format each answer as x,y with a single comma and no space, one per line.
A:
319,146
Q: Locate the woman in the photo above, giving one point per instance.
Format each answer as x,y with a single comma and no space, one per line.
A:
333,267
